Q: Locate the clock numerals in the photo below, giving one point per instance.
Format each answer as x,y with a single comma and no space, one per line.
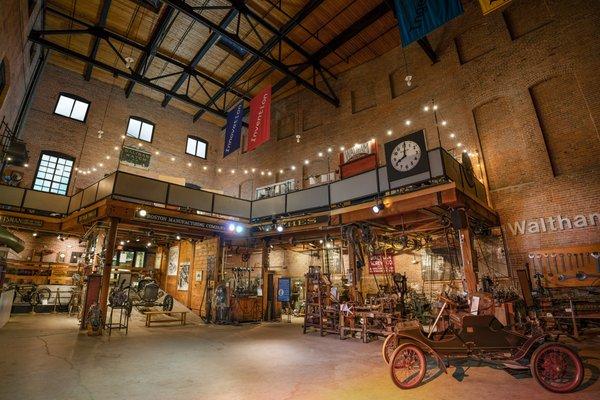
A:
405,156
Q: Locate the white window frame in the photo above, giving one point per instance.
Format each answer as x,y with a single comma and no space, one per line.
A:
195,140
140,133
54,172
69,104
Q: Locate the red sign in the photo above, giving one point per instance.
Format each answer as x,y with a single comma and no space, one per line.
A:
380,265
260,119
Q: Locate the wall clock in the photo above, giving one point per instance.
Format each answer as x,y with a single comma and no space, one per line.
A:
406,157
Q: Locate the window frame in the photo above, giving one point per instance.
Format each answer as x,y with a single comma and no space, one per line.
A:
144,121
57,154
75,98
197,139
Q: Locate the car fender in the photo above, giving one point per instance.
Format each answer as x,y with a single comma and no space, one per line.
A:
426,347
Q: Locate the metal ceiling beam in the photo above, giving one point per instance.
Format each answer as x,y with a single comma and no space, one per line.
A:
158,34
189,10
36,37
361,24
103,33
268,46
87,75
212,39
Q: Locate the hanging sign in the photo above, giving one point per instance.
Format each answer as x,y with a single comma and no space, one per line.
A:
88,216
380,265
233,131
416,18
283,291
135,157
487,6
260,119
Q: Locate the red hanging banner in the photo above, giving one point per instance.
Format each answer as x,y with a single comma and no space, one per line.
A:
260,119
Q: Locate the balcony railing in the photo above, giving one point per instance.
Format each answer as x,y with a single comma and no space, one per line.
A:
138,189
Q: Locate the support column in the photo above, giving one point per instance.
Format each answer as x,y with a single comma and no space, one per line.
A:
469,258
109,244
265,279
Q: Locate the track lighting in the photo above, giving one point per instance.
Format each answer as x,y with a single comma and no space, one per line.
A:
279,228
142,213
178,237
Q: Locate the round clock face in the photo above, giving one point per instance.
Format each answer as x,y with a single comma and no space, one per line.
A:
406,156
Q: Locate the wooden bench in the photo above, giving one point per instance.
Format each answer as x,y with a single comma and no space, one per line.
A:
181,314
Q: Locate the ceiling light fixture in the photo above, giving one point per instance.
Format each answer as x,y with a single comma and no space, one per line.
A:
377,208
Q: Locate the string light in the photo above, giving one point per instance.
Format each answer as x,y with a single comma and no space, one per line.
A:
262,173
107,157
444,123
435,107
459,144
205,167
233,171
389,132
407,122
246,172
293,167
426,108
329,149
281,171
172,158
306,162
320,154
452,135
269,173
189,164
116,148
219,170
157,152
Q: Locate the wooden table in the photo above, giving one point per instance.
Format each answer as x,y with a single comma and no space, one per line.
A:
182,316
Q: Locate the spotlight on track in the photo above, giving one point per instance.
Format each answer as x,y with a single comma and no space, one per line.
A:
231,227
279,228
239,229
377,208
142,213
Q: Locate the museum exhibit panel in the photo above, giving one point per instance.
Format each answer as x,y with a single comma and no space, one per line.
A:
328,199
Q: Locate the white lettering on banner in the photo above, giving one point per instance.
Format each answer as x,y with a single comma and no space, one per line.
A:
259,117
552,224
235,122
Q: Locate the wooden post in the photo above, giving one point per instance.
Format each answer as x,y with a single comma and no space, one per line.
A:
469,259
353,271
265,278
108,256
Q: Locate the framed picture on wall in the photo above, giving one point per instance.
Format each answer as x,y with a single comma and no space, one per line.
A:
158,260
198,277
173,261
183,280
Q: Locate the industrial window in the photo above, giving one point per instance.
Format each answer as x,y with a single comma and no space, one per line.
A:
71,106
53,173
140,128
196,146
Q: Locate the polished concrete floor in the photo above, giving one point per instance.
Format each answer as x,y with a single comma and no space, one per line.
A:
45,357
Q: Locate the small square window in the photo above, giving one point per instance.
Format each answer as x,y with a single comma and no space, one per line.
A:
196,146
72,107
140,129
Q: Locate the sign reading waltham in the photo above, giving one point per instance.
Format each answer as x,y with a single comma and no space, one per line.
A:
167,219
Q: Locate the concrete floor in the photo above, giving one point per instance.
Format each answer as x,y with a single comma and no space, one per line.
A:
45,357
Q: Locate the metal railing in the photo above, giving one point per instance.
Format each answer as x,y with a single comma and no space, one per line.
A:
138,189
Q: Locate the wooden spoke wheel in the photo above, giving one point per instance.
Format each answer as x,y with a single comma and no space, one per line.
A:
389,346
408,366
557,368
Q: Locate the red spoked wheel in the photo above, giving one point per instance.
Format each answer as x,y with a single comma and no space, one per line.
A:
389,346
408,366
557,368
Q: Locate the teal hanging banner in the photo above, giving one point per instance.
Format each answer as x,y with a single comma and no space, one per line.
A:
416,18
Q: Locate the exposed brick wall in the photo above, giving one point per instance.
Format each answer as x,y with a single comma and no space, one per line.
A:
483,86
15,23
45,130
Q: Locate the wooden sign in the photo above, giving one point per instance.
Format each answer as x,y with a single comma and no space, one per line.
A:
294,223
88,216
19,221
167,219
380,265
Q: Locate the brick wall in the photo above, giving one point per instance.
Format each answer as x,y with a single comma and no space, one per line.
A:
518,86
15,22
110,110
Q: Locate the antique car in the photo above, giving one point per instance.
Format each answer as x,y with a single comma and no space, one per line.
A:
554,365
146,294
